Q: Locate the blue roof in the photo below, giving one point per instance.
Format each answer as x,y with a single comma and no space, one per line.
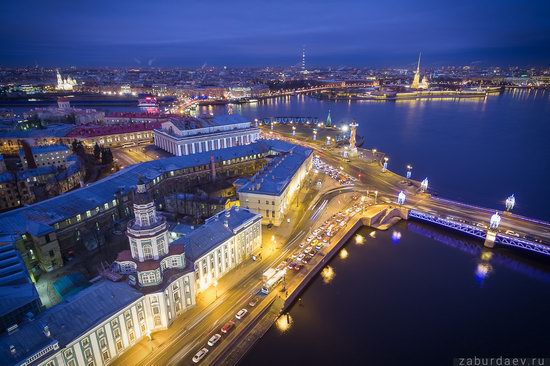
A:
43,149
51,131
6,177
274,177
35,172
78,201
214,232
68,320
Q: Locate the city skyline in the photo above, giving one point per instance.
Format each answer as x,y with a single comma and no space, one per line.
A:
246,34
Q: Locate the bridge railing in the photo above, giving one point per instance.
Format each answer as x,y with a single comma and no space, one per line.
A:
480,233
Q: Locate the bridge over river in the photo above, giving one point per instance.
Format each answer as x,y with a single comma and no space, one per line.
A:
513,230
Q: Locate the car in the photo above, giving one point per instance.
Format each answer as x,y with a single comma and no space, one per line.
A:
241,314
280,266
301,256
306,259
254,301
512,233
302,244
200,355
318,247
214,339
228,326
298,267
309,239
291,265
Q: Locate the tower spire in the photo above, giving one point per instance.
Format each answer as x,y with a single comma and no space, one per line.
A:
418,66
303,59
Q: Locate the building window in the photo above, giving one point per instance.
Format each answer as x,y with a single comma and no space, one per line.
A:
68,353
85,342
119,345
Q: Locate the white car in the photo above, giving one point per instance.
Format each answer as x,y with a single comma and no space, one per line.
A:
200,355
300,257
214,339
241,314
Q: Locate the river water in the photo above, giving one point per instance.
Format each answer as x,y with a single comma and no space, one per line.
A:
418,294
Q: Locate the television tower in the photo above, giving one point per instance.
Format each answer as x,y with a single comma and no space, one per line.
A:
303,60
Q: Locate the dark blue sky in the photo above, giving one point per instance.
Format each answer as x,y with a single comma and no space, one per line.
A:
251,33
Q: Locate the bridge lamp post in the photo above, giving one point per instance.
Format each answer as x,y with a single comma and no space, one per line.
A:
409,168
271,125
375,196
385,167
374,154
401,198
314,134
424,185
510,203
328,140
293,130
495,221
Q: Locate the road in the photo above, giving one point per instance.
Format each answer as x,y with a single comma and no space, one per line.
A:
388,184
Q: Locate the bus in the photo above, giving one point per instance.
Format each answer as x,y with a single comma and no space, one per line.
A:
270,283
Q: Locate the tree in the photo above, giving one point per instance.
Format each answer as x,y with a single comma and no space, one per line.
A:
106,157
97,151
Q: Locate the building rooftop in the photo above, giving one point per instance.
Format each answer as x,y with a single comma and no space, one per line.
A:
213,231
274,177
44,149
92,131
60,130
204,121
67,320
78,201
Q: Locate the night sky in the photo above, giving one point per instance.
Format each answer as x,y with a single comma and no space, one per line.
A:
256,33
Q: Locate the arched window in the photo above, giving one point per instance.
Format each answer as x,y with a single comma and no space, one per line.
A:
147,251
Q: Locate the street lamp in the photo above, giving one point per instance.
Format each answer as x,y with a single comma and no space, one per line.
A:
385,167
293,130
345,128
409,168
328,140
401,198
216,287
424,185
495,221
375,196
510,203
271,125
314,134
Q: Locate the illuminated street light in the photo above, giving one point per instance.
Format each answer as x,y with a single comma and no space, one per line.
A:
293,130
409,168
495,221
271,125
385,167
216,287
510,203
314,134
401,198
424,185
375,196
345,128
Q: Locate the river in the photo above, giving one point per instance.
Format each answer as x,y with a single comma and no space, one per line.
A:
418,294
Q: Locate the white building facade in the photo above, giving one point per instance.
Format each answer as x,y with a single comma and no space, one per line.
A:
194,135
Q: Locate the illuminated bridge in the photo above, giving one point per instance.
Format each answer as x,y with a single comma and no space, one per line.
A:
502,239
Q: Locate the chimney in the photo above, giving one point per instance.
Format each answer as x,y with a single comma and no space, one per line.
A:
27,149
213,167
226,220
47,332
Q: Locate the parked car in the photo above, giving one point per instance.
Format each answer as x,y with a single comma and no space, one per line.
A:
241,314
214,339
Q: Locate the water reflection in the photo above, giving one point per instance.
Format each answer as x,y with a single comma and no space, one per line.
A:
359,239
396,236
328,274
487,258
284,322
343,253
